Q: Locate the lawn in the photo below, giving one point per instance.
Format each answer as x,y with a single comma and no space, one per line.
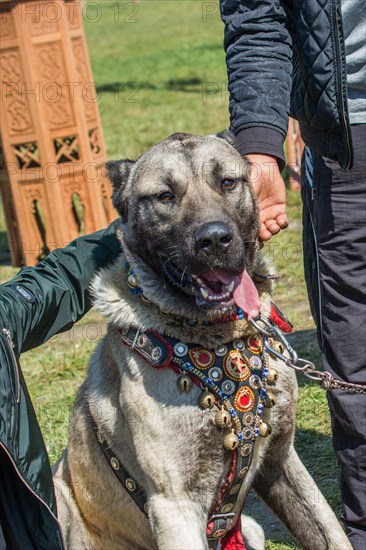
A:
159,67
158,71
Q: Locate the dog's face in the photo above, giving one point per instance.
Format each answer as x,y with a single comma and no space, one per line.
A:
190,214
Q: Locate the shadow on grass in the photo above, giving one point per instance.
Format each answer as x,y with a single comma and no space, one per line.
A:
119,87
188,85
316,453
312,443
183,85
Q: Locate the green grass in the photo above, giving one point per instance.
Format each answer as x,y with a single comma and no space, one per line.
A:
161,74
152,77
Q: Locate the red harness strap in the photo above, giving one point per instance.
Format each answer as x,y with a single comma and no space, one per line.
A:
223,490
233,540
279,319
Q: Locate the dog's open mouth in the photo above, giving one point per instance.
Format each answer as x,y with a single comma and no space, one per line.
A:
217,289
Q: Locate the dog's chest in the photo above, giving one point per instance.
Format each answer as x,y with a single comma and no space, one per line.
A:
176,443
192,414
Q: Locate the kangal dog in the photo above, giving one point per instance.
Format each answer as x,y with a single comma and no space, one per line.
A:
186,285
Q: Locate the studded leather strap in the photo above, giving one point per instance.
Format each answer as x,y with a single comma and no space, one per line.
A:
153,347
123,476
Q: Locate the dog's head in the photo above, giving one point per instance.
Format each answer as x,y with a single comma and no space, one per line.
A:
190,220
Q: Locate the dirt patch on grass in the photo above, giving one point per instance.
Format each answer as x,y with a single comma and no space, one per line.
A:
273,528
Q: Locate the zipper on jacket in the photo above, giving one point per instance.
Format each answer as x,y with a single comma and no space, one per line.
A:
342,92
14,361
35,494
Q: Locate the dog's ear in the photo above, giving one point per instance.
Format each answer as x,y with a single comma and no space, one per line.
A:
118,172
227,136
179,136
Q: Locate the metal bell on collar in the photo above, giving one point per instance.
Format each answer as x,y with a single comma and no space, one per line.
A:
131,281
265,429
184,383
278,346
272,376
222,418
206,400
231,441
270,400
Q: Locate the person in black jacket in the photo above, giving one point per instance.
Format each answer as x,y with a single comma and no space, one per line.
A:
38,303
308,58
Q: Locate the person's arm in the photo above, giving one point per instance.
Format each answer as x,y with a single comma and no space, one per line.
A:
46,299
259,63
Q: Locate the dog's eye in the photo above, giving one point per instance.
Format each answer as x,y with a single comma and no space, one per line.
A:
165,197
228,185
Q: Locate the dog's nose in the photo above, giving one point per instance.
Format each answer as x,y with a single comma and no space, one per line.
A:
213,237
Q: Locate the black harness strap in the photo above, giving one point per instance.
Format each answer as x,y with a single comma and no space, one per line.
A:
123,476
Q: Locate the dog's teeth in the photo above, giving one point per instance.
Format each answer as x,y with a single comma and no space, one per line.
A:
230,287
211,297
204,292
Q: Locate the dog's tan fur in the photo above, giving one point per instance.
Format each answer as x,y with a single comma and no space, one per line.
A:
171,446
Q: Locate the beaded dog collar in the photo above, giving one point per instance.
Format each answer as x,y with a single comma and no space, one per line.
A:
236,313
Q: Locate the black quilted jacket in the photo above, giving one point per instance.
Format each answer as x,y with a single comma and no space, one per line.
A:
287,57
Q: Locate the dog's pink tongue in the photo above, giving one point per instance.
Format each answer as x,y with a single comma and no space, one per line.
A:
245,293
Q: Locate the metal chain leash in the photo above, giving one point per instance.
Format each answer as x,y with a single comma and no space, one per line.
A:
307,368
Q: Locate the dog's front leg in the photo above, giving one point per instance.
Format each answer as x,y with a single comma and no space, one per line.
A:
288,489
177,524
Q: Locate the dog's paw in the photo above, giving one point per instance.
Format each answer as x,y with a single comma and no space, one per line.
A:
253,533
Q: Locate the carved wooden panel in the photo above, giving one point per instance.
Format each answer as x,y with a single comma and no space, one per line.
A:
36,246
79,206
66,149
295,147
44,17
87,85
94,142
106,198
14,98
73,15
51,131
27,155
2,161
7,26
10,214
54,83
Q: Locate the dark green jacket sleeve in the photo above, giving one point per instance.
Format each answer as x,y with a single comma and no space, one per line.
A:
58,289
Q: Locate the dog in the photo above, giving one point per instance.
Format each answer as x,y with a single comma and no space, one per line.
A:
179,301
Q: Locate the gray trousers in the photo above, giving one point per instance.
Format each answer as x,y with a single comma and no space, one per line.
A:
334,239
